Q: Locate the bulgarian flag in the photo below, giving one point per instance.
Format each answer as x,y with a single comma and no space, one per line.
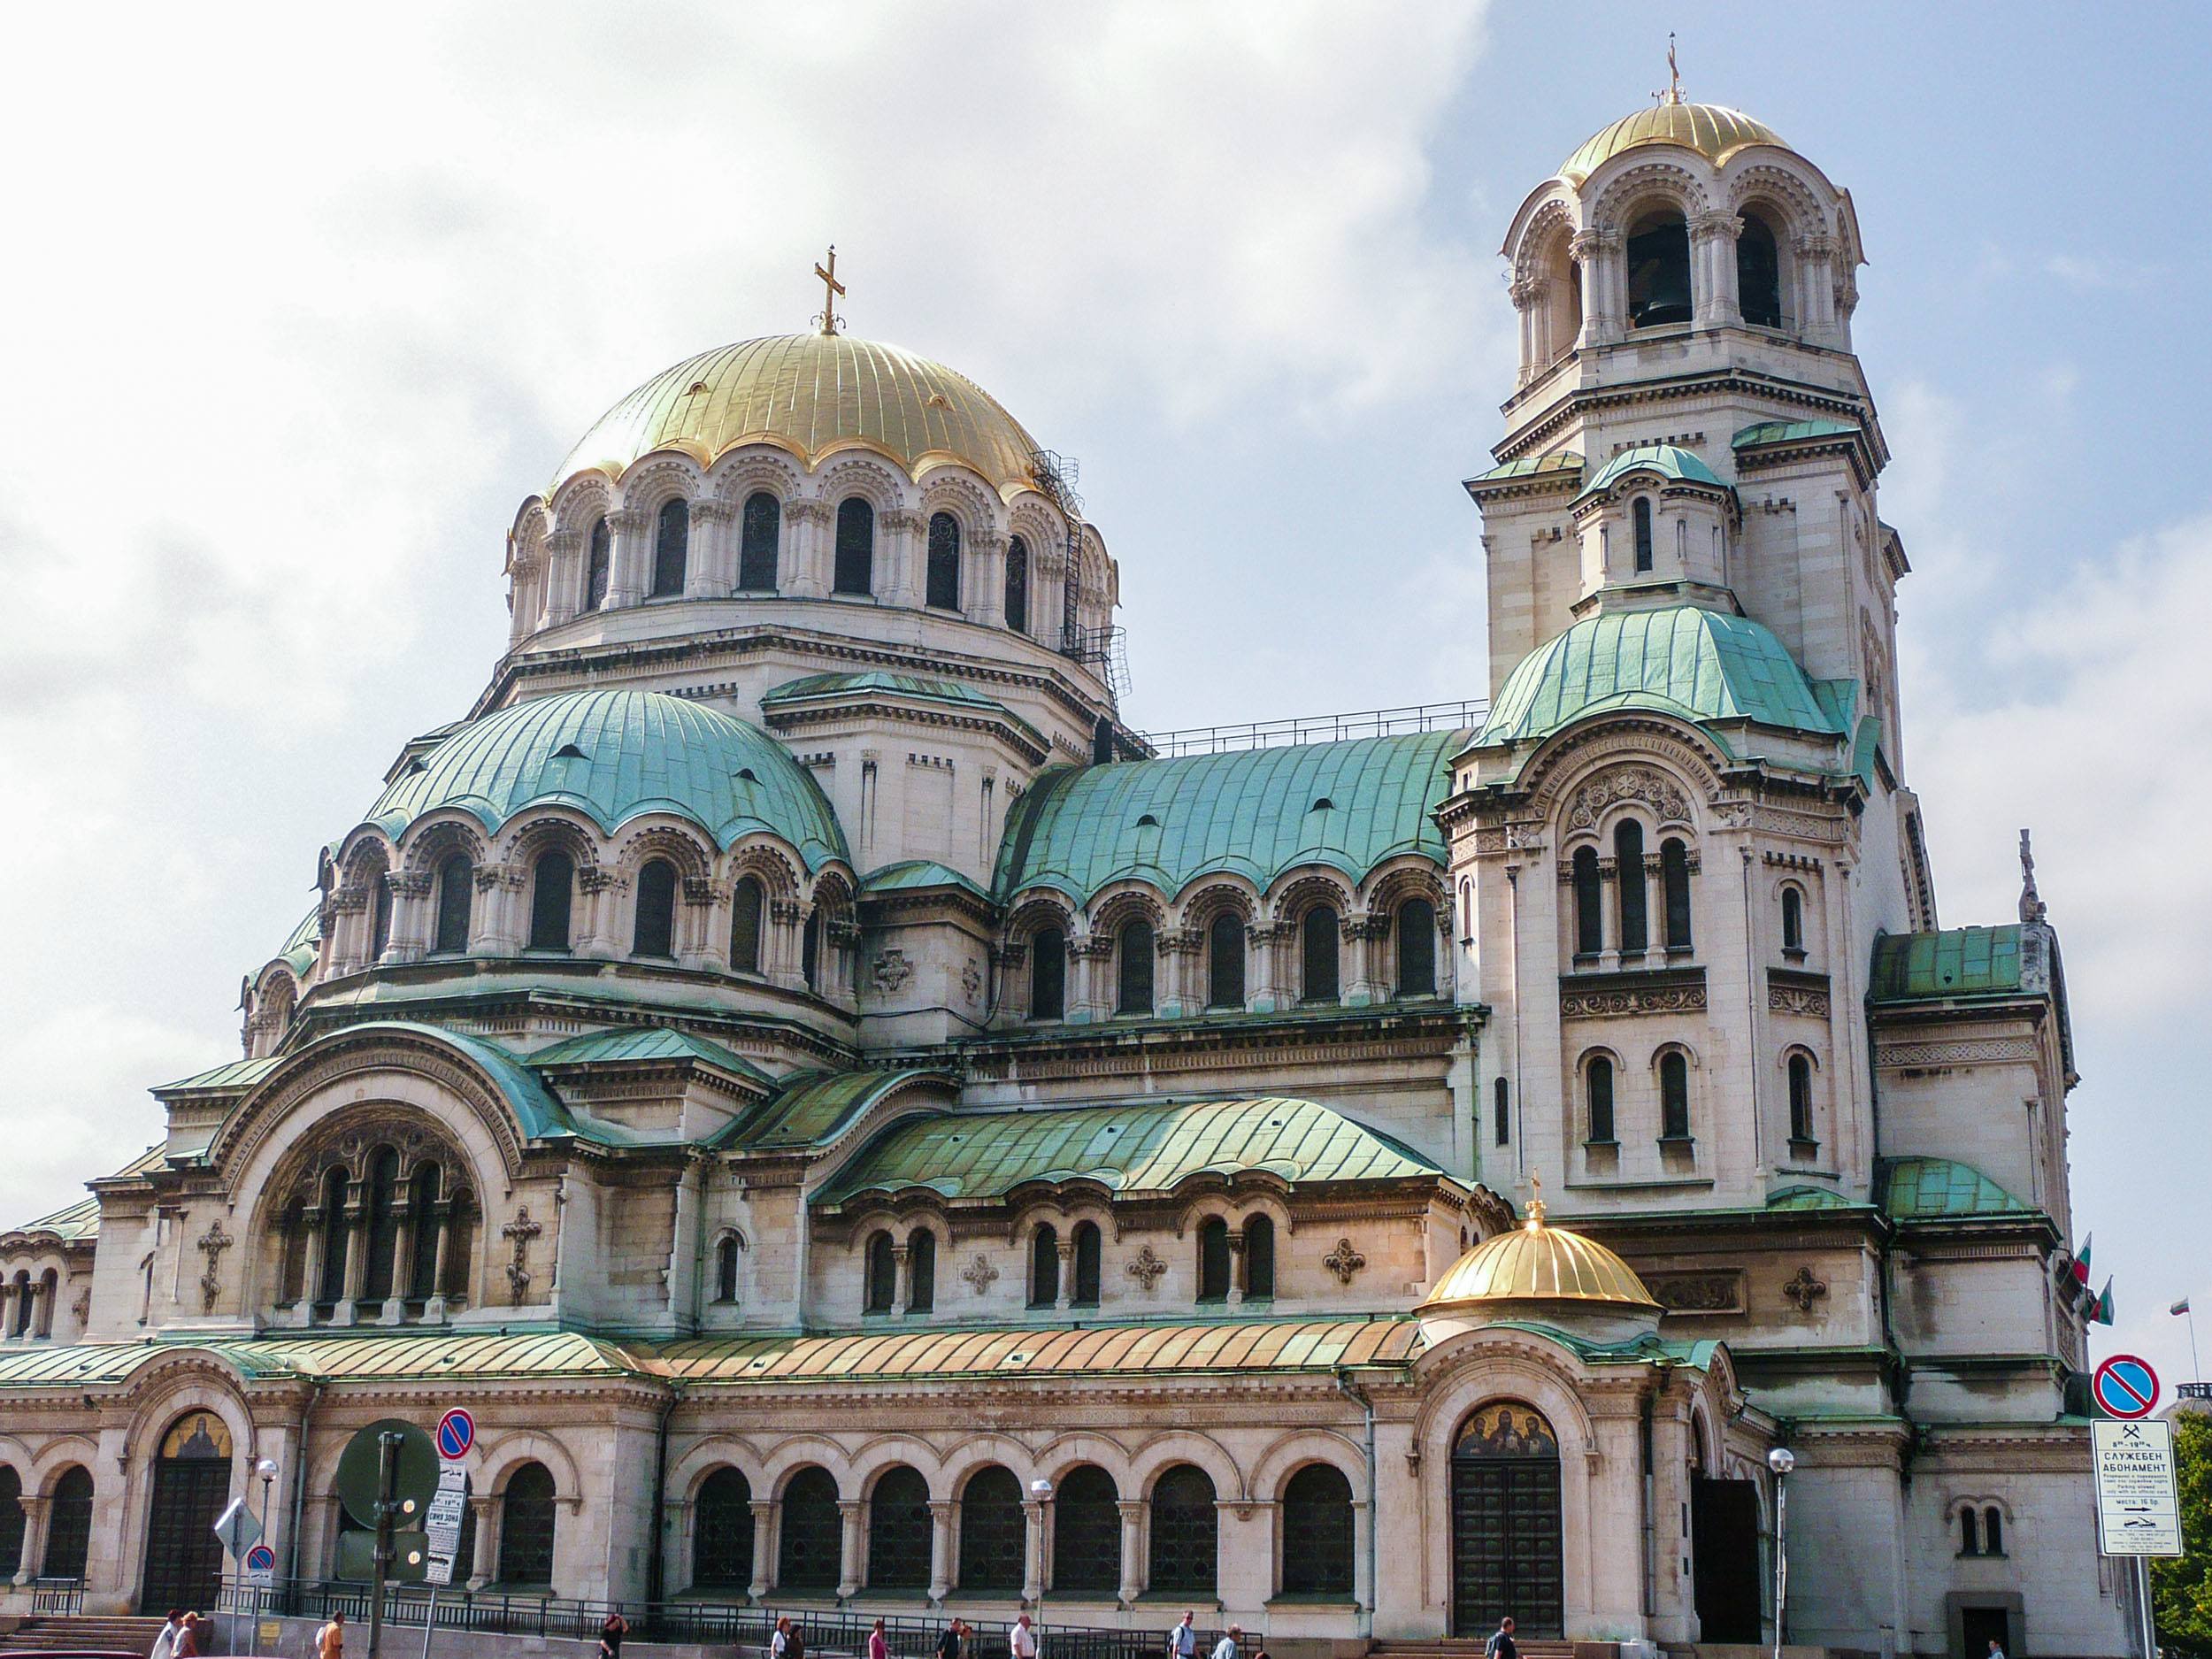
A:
2081,1263
2103,1313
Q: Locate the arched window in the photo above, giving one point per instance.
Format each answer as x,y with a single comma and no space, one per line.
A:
1417,948
1018,585
654,933
1317,1533
942,587
10,1521
48,1292
808,1547
726,1269
1640,513
383,1224
598,563
811,951
1801,1099
722,1532
1970,1533
883,1276
1658,270
1213,1260
761,529
457,888
898,1530
1132,962
1674,1096
1589,903
1674,882
293,1284
422,1231
460,1245
1992,1532
21,1324
747,901
1500,1113
380,915
855,571
552,887
671,548
1044,1267
1317,955
921,1271
1087,1532
1083,1292
332,1287
1047,974
1259,1257
1792,923
1758,273
1225,960
1597,1083
1185,1532
527,1527
992,1530
68,1525
1628,871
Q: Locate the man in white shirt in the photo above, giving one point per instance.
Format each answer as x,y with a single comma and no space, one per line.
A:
165,1644
1182,1641
1226,1647
1021,1640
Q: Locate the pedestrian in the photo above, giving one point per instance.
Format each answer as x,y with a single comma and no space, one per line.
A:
1226,1647
1021,1642
779,1643
879,1644
797,1647
1501,1645
165,1644
187,1644
610,1635
948,1644
330,1640
1182,1640
1996,1648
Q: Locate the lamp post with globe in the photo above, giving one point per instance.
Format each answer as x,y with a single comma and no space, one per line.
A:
1040,1489
257,1596
1781,1460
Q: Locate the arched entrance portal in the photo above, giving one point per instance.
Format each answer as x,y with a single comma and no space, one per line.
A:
184,1559
1506,1555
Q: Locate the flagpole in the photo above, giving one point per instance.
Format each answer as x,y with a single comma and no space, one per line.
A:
2196,1370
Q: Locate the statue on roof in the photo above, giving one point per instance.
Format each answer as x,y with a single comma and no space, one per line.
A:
2032,906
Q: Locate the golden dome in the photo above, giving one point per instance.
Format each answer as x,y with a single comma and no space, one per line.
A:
1711,129
1536,1263
812,394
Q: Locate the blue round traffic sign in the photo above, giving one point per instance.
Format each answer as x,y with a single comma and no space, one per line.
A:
261,1558
2125,1387
457,1432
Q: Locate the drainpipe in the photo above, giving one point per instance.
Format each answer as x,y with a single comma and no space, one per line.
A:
1647,1498
656,1563
1757,1011
1352,1391
299,1482
1513,929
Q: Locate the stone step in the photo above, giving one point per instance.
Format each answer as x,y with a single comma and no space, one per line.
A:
85,1631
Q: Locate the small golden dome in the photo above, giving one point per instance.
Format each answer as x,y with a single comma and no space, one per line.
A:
811,393
1536,1263
1713,130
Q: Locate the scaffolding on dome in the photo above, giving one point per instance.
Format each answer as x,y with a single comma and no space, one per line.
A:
1104,649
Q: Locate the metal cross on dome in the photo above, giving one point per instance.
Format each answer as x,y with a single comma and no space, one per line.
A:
1673,94
832,290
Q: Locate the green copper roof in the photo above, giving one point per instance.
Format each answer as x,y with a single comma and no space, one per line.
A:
1790,431
1919,1189
1258,812
654,1042
1700,665
615,755
238,1074
301,950
1129,1149
81,1220
537,1108
1808,1198
1958,962
815,1107
917,875
1531,466
1665,459
876,679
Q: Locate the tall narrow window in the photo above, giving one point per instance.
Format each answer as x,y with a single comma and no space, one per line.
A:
762,528
598,563
1259,1256
456,888
993,1529
460,1245
1086,1533
1047,974
1318,941
943,588
1589,903
1674,1096
921,1271
1598,1083
1500,1113
1132,955
11,1519
1317,1533
726,1263
526,1523
68,1525
722,1536
1658,265
1417,948
1992,1531
1674,881
1083,1292
655,934
1018,585
422,1209
380,915
811,951
1628,870
1758,273
1225,960
1969,1534
882,1289
1800,1098
745,911
671,548
809,1552
1185,1533
1792,923
552,887
899,1528
332,1287
1642,513
855,571
383,1224
1213,1260
1044,1267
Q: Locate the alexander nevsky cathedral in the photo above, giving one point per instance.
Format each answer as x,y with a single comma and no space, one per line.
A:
861,1125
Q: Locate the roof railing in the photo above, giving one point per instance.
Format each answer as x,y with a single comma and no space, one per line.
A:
1320,728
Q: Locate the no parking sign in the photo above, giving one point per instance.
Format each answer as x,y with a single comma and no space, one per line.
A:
457,1432
2125,1387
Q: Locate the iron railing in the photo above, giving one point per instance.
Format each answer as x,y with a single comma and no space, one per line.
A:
58,1595
829,1628
1320,728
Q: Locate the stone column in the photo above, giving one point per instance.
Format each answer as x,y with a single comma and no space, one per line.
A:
1714,298
412,915
1033,1551
486,1508
629,563
1065,1246
940,1550
804,558
35,1515
525,595
357,1258
902,1265
984,582
850,1559
597,924
441,1233
564,578
898,557
1089,998
394,1310
1815,286
1236,1266
1131,1550
711,572
1527,295
1366,956
1270,964
311,1279
764,1546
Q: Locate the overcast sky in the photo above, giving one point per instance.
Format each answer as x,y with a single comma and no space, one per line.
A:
301,303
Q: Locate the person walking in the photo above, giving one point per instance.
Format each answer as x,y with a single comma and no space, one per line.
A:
165,1643
188,1643
1501,1645
797,1646
1226,1647
330,1640
879,1644
779,1641
1021,1642
1182,1640
951,1643
1996,1648
610,1635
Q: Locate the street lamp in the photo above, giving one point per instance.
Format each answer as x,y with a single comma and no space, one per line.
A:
266,1469
1040,1489
1781,1460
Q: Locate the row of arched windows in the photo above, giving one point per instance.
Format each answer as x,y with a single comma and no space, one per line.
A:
1600,1076
1247,1260
1659,280
68,1525
27,1303
381,1237
853,563
1632,910
1981,1530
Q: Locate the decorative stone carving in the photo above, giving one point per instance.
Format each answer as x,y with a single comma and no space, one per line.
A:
1610,999
1805,1290
1719,1292
1147,1270
892,971
1640,784
980,1273
212,1243
971,979
1967,1051
1344,1261
520,1231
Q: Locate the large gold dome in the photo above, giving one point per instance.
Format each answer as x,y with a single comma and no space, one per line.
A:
1713,130
1537,1263
812,393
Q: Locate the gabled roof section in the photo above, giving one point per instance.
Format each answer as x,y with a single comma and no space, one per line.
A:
74,1225
1926,1189
1767,432
1128,1149
918,875
1561,460
1256,813
1803,1197
815,1107
302,947
922,686
231,1074
1958,962
1670,461
653,1042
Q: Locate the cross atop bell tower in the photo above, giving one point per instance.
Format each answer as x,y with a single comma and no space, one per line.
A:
832,290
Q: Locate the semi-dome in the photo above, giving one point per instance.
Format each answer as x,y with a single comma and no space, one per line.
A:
616,756
1713,130
1534,1265
812,394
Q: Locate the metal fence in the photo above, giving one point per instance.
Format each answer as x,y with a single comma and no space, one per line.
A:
826,1628
58,1595
1320,728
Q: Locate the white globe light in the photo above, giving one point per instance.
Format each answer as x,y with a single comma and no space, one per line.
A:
1781,1460
266,1468
1040,1488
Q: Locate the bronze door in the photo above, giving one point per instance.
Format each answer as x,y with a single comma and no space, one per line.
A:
1506,1534
184,1558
